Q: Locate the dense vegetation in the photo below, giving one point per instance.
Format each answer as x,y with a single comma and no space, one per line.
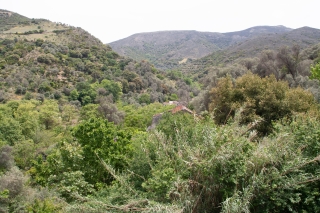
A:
74,117
82,74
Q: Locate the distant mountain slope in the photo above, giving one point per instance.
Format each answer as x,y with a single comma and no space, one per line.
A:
252,47
9,19
14,25
166,49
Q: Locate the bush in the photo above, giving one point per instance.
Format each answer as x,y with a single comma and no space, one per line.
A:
71,185
101,140
6,158
12,59
211,168
261,99
13,181
46,59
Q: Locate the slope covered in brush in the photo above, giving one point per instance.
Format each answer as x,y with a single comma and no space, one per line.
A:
41,59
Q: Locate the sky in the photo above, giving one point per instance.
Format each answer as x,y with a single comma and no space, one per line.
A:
111,20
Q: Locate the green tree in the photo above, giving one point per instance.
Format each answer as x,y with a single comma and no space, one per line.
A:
315,71
87,94
69,112
101,140
144,98
262,100
10,129
89,111
114,88
71,185
222,98
28,117
24,153
74,95
140,117
49,114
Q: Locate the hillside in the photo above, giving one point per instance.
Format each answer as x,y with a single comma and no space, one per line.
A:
253,47
33,29
42,59
238,135
9,19
167,49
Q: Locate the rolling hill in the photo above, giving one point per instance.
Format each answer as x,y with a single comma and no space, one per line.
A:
303,37
9,19
168,49
46,60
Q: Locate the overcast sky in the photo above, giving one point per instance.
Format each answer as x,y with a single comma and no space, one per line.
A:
111,20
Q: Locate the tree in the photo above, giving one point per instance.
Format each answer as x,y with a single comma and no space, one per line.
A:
144,98
28,117
264,99
101,140
114,88
86,93
68,112
267,65
221,98
288,59
315,71
49,113
110,112
10,129
74,95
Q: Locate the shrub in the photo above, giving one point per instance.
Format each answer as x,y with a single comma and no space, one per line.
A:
264,99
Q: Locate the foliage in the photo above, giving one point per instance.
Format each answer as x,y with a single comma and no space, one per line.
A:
48,114
28,117
80,132
110,112
315,71
10,129
101,140
260,98
220,169
159,183
144,98
140,117
170,124
24,153
44,206
44,66
13,182
71,185
6,158
113,88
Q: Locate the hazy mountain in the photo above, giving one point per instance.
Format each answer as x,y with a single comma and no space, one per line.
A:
166,49
253,46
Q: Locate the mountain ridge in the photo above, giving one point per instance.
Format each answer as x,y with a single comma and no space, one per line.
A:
167,48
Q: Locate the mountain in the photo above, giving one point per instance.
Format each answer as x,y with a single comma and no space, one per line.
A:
46,60
9,19
168,49
303,37
13,25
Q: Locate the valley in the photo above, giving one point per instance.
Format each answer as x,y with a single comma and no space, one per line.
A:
167,121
